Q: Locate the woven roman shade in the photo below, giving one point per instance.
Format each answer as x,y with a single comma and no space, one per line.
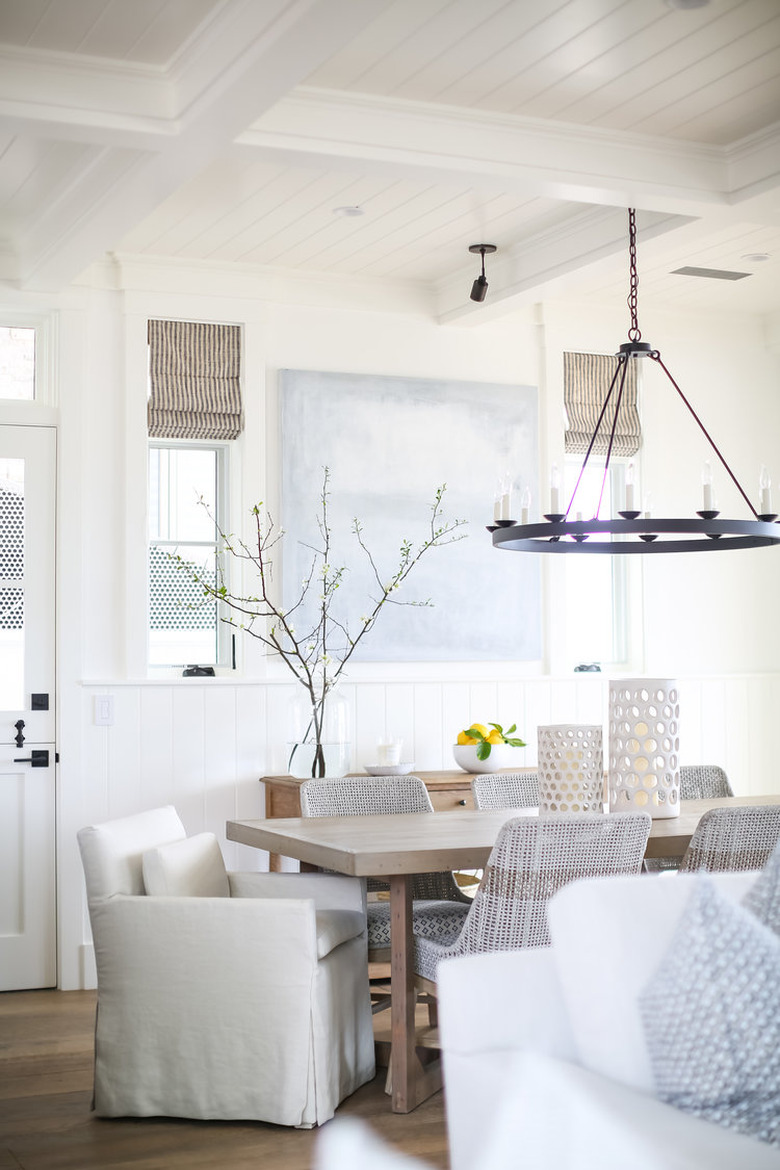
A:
586,381
194,375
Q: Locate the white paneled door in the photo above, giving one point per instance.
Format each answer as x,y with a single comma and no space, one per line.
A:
27,750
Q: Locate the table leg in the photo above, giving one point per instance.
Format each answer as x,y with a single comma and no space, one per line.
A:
411,1084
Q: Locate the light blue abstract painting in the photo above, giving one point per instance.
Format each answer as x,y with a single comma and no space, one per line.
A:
389,444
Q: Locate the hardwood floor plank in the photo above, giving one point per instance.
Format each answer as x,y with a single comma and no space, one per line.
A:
46,1045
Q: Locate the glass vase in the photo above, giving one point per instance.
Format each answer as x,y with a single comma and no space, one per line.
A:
318,741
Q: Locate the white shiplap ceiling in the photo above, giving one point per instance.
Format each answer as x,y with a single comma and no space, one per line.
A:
227,131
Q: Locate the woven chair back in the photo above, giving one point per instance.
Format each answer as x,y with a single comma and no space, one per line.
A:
742,837
349,796
535,856
506,790
703,782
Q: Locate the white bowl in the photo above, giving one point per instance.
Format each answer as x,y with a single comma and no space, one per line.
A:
388,769
502,755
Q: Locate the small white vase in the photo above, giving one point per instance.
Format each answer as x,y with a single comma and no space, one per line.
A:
571,768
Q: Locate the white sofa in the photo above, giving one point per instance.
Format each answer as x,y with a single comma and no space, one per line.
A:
547,1064
229,996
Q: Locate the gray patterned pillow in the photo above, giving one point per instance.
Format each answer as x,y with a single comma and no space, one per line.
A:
711,1015
763,899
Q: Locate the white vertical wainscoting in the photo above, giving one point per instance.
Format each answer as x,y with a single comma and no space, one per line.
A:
203,746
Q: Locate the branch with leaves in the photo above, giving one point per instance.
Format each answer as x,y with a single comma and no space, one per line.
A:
316,655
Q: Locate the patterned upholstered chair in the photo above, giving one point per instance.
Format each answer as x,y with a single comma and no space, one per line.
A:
531,859
506,790
439,905
703,782
741,837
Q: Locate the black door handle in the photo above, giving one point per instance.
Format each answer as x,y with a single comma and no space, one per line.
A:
19,725
38,758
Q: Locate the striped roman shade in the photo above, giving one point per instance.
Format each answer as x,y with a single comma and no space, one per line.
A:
194,375
586,382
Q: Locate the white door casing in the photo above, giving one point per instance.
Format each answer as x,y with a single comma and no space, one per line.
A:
27,709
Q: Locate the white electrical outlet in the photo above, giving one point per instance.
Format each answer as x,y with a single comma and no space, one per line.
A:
104,710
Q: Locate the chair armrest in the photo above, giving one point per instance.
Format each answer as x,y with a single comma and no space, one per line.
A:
328,891
243,943
564,1117
504,1000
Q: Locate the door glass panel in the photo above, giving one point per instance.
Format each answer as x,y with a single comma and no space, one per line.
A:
17,362
12,583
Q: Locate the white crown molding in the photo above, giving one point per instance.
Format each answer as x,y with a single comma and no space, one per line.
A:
142,274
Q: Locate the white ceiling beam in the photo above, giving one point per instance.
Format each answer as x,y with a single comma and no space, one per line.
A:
560,161
226,81
524,275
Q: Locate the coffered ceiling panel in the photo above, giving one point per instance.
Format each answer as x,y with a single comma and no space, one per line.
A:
235,132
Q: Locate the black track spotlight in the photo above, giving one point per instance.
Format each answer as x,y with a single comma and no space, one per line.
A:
480,286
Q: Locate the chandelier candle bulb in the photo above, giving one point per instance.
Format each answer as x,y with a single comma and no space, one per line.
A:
765,492
706,484
497,508
506,505
555,490
630,488
525,505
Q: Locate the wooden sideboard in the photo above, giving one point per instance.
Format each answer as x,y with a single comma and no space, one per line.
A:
447,790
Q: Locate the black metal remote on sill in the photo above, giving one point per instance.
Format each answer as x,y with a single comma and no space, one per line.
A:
198,672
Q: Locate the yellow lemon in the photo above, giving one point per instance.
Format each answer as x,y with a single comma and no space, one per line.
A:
495,737
463,738
480,727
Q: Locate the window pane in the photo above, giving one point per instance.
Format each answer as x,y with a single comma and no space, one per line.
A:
17,362
12,584
589,579
182,622
179,478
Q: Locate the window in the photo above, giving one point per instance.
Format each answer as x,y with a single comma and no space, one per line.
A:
187,505
17,362
194,408
596,586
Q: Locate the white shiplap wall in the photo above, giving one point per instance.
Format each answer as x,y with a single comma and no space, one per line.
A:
203,746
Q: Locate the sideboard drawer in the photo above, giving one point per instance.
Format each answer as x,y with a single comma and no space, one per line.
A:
444,799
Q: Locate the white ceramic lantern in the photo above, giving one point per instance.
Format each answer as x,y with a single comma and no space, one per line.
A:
644,745
571,768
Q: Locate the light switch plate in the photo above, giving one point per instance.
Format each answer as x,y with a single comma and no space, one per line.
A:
103,710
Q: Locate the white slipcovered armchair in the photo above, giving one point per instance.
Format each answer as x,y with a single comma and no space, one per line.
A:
224,996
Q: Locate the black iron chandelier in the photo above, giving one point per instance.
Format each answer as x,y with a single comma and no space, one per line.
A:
631,531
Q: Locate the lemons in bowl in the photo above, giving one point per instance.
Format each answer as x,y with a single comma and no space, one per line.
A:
487,748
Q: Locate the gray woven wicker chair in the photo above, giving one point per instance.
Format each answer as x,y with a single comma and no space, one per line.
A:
506,790
697,782
703,782
531,859
742,837
439,905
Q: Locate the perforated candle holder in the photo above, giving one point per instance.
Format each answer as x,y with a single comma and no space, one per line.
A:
644,745
571,768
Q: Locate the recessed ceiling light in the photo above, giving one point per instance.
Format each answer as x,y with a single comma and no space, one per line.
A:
685,4
347,212
756,257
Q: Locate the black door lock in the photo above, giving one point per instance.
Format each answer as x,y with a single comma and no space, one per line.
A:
39,758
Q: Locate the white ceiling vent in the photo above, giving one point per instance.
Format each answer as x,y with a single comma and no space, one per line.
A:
711,273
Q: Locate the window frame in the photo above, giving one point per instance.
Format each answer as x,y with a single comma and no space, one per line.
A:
225,659
623,575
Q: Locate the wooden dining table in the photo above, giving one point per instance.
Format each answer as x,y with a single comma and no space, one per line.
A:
396,846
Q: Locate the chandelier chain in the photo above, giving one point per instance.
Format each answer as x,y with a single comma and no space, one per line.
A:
634,333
